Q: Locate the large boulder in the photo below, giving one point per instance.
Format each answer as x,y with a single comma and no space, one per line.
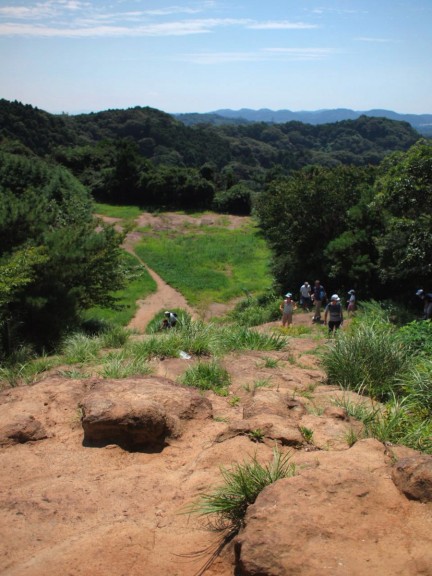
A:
141,412
342,514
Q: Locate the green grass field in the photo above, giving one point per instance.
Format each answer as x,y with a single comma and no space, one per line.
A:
209,264
114,211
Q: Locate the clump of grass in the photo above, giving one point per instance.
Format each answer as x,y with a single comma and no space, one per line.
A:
16,373
241,338
226,506
207,376
74,374
307,433
254,311
257,435
260,383
269,363
416,384
234,401
121,366
367,360
114,337
397,422
80,349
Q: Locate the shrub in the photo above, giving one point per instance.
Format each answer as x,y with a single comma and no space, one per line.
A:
254,311
417,336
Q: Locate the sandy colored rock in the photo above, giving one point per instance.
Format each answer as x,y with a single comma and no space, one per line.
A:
21,428
413,477
139,412
344,516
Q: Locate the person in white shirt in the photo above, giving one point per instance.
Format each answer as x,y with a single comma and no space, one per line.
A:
305,296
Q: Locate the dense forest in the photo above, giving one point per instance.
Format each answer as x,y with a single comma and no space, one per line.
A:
350,201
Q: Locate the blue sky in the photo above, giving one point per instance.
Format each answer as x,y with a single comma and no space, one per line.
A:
202,55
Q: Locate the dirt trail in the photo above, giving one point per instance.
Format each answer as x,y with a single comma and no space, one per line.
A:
166,297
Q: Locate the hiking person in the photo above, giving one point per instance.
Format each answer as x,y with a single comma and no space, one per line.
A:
169,321
305,296
287,308
352,302
427,303
318,296
334,312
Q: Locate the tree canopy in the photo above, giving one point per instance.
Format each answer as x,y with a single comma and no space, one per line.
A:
55,258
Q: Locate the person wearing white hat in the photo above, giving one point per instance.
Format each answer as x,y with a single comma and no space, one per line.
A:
287,308
351,302
334,313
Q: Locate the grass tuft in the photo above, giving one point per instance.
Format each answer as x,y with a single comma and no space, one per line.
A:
226,506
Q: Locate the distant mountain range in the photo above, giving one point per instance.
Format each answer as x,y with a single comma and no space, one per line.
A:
421,122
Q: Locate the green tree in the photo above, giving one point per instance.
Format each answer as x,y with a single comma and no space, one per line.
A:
404,196
56,259
302,214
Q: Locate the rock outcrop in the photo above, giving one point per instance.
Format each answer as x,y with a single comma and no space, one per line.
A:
342,514
139,413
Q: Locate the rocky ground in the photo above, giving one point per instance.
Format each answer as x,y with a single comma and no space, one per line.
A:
96,476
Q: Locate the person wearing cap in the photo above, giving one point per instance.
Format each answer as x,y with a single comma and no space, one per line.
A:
287,308
169,321
351,302
334,313
427,303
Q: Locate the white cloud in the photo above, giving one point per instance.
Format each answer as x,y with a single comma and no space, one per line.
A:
281,25
368,39
80,19
267,54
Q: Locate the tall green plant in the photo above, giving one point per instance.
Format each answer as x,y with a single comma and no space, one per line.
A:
368,359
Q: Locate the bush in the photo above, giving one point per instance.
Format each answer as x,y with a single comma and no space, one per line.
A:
254,311
235,200
417,336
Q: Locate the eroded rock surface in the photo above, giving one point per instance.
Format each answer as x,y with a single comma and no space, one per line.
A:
413,476
342,514
139,413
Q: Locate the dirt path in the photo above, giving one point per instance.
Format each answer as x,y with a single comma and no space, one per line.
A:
166,297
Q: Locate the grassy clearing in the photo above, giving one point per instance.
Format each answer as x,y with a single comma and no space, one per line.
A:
114,211
209,264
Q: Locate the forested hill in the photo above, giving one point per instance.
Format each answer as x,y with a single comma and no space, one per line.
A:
420,122
244,148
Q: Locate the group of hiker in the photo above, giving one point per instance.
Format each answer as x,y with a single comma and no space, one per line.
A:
315,297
